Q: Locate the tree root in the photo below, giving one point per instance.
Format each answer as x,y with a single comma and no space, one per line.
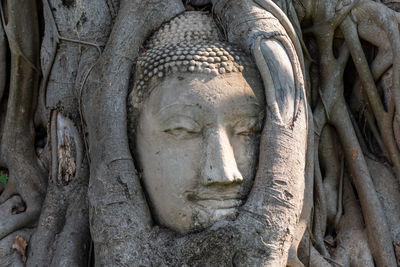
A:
371,207
388,22
385,121
3,61
17,221
306,213
320,206
388,189
352,241
330,163
63,231
17,150
309,255
10,256
332,92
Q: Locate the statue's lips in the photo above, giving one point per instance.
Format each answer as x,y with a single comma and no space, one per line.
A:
215,199
219,204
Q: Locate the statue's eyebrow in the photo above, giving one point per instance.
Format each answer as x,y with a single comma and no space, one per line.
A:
175,105
247,108
188,110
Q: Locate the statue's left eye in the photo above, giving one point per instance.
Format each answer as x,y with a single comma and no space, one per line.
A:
247,126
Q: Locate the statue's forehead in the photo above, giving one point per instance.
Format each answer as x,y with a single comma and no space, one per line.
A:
200,89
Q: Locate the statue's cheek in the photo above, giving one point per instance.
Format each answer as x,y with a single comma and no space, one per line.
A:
246,150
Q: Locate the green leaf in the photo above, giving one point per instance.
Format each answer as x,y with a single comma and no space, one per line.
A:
3,178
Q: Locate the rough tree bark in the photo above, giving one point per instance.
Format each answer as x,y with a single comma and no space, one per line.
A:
331,72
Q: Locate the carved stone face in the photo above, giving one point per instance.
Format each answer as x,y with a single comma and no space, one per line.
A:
197,140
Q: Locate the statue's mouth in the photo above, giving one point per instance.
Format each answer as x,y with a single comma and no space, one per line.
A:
215,200
219,204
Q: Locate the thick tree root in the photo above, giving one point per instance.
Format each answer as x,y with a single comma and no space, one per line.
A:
385,121
308,255
388,190
352,240
371,207
320,212
29,191
332,68
63,231
18,221
306,213
9,256
3,61
17,149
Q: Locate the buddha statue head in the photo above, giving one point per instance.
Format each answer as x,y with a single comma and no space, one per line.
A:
195,116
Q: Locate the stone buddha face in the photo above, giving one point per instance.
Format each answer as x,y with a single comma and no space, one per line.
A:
197,143
197,110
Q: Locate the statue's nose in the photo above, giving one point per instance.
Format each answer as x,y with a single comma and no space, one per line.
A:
218,163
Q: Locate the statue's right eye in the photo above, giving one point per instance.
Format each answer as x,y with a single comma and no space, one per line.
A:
182,133
181,127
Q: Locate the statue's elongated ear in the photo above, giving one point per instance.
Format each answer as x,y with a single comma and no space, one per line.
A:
263,30
277,74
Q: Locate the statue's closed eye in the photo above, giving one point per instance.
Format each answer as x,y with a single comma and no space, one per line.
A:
247,126
182,127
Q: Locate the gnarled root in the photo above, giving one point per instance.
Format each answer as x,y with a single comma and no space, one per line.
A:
387,189
385,19
10,256
352,241
31,195
371,207
17,153
63,231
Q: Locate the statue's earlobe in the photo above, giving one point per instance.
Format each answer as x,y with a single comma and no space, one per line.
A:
278,75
